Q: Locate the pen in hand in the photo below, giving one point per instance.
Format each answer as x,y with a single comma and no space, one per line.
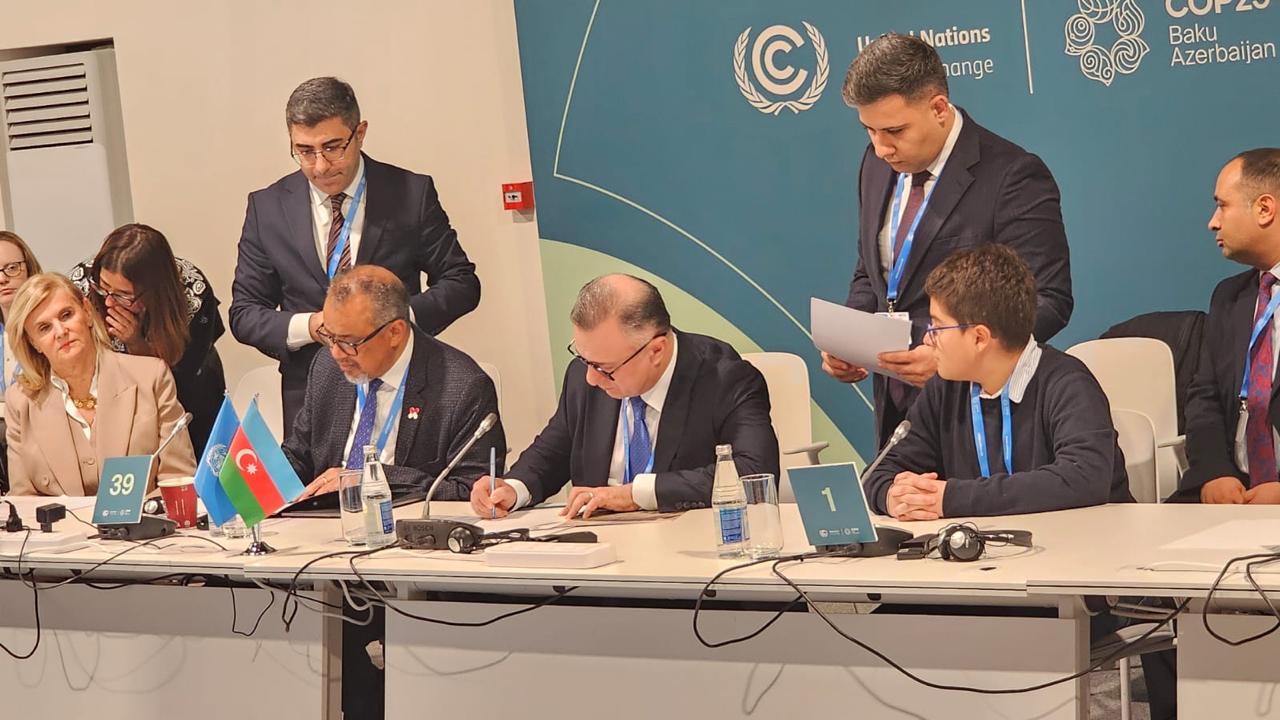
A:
493,471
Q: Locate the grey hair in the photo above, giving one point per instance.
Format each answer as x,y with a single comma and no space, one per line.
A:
641,312
386,293
319,99
894,64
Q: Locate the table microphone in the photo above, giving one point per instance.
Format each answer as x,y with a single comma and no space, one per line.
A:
182,422
485,426
899,432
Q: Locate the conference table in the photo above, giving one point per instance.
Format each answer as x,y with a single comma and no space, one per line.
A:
619,639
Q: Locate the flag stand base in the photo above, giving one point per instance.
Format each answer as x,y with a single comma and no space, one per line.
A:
258,547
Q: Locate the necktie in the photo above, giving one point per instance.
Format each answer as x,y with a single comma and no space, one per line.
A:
335,229
364,427
1260,449
915,199
639,449
897,389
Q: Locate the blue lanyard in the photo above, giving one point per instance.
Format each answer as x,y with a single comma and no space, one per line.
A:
346,229
392,416
900,262
626,447
980,428
1258,327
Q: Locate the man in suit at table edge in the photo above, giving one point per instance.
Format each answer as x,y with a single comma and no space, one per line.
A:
933,181
642,409
340,208
1232,412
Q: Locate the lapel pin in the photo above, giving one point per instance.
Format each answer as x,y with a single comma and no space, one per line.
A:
413,412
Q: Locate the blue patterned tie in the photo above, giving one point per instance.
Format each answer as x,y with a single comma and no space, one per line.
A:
639,449
364,427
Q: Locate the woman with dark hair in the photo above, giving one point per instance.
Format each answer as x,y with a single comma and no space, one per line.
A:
153,303
17,263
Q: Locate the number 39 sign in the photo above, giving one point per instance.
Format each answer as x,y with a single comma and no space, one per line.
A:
122,489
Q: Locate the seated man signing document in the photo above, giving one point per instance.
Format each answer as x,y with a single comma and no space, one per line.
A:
1008,425
642,410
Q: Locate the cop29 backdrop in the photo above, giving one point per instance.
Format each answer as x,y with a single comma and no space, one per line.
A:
705,144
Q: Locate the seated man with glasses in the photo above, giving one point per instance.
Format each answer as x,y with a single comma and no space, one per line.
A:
1008,425
383,382
340,208
642,409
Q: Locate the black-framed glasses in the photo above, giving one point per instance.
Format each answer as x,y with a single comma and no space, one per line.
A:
14,269
332,153
125,300
609,373
929,331
348,347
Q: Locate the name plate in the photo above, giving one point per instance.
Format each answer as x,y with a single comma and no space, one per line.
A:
122,488
832,505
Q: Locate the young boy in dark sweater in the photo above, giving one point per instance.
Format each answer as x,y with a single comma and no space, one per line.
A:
1008,425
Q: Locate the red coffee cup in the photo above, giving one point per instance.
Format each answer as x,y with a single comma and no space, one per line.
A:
179,496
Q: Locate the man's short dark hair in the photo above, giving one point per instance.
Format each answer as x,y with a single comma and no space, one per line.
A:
988,285
319,99
641,311
894,64
1260,172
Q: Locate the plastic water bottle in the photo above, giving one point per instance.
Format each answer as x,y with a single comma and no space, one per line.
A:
729,502
379,525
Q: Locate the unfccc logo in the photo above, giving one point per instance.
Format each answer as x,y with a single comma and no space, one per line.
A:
779,82
1102,63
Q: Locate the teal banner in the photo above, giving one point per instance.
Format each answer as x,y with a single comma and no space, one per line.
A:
708,143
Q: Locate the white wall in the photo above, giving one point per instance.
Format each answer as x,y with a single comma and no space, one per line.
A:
203,87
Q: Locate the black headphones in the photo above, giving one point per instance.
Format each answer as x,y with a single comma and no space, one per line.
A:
964,542
466,538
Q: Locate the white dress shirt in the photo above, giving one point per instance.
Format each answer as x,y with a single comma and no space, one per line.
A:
321,219
72,411
935,170
643,486
1242,454
386,394
1023,371
10,367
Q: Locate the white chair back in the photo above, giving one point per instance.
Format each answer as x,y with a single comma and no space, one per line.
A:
1138,442
265,383
1137,374
789,408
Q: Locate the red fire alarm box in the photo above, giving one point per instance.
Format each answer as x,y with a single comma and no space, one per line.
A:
517,196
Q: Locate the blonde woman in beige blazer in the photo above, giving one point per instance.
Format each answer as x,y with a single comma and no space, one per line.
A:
77,403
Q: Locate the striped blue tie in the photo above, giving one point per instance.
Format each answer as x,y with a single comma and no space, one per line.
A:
639,449
364,427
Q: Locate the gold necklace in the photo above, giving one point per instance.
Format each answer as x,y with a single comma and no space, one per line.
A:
88,403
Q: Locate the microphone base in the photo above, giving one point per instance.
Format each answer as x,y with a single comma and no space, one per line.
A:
887,542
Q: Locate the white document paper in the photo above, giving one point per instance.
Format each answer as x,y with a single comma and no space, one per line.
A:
855,336
535,519
1257,535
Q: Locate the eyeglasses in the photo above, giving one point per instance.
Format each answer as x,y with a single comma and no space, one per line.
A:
14,269
125,300
609,373
348,347
929,331
331,153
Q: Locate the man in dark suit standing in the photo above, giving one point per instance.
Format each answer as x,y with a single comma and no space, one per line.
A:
1232,412
641,412
933,181
341,208
383,382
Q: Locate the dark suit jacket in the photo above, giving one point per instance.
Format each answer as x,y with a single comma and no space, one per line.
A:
715,397
990,191
1213,402
279,274
452,395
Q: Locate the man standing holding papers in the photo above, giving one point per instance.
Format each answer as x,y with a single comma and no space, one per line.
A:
933,181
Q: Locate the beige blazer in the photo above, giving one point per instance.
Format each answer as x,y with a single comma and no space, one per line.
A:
137,408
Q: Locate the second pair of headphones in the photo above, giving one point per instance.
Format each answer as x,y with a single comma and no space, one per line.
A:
964,542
